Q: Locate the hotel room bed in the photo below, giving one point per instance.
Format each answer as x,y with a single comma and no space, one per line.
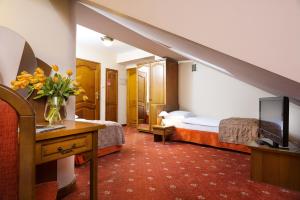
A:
188,129
110,139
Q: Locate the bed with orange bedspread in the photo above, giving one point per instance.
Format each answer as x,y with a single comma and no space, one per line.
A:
206,138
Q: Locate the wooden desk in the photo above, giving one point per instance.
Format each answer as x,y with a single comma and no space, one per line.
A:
276,166
77,137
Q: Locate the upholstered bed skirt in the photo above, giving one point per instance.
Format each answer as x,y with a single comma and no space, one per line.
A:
206,138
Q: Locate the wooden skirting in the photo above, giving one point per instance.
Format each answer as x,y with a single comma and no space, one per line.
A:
63,192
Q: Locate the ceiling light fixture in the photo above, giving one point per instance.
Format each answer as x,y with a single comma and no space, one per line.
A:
107,41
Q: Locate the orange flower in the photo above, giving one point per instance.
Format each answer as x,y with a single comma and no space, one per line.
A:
14,87
69,72
55,79
33,80
55,68
24,76
24,72
84,98
39,71
38,86
23,83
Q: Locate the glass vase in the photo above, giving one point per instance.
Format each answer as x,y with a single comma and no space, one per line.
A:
55,110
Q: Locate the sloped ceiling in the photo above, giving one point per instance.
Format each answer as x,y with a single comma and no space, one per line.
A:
261,32
100,23
244,71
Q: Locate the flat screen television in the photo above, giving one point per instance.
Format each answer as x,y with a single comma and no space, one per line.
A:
274,120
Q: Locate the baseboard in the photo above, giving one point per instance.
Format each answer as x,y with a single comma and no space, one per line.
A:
124,124
64,191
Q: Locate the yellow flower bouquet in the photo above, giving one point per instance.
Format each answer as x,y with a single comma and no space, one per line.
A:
57,88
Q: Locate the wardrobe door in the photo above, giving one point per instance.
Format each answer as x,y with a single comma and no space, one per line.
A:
142,90
157,90
131,97
111,108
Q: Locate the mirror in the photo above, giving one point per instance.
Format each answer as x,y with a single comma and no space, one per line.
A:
143,94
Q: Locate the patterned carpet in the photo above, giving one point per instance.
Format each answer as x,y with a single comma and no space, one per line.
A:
147,170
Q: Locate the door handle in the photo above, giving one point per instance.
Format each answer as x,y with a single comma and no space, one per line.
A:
97,94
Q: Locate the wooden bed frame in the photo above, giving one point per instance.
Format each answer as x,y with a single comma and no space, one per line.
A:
206,138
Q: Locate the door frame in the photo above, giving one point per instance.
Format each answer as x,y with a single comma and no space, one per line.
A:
97,85
117,91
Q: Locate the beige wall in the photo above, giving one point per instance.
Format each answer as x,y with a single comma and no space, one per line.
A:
212,93
262,32
49,28
108,60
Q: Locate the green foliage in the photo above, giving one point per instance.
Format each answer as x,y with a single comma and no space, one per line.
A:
58,86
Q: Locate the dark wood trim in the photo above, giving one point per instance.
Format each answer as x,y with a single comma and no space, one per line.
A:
64,191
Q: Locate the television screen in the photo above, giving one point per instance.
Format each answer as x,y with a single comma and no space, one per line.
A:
274,119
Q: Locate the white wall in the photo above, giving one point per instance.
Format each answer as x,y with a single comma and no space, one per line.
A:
212,93
48,26
107,60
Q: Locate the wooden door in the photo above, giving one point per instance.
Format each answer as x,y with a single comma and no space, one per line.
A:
142,90
157,90
88,75
111,105
131,97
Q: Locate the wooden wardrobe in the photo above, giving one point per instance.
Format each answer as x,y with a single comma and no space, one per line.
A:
163,94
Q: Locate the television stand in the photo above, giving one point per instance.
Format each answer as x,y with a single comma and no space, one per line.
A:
275,165
270,143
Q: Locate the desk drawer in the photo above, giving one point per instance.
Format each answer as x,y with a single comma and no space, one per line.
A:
63,147
158,131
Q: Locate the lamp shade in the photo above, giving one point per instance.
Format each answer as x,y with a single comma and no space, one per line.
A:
163,114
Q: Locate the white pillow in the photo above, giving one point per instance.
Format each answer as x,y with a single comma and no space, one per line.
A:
179,114
203,121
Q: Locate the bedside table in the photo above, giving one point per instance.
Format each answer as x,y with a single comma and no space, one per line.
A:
162,132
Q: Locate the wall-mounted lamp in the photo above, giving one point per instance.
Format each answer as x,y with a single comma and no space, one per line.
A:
107,41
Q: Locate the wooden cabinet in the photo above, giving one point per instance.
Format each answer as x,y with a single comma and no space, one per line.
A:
131,97
156,90
163,88
276,166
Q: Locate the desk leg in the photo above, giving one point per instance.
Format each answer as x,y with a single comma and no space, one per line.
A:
94,168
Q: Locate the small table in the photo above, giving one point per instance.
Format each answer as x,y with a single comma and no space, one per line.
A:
162,131
75,138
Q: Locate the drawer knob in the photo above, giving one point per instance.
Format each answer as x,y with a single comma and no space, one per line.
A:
64,151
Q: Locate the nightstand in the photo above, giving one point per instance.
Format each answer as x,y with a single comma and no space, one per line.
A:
162,132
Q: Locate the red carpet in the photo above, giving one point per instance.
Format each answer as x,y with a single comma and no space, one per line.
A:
148,170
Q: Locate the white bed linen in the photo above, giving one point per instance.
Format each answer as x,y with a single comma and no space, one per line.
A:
179,124
204,121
